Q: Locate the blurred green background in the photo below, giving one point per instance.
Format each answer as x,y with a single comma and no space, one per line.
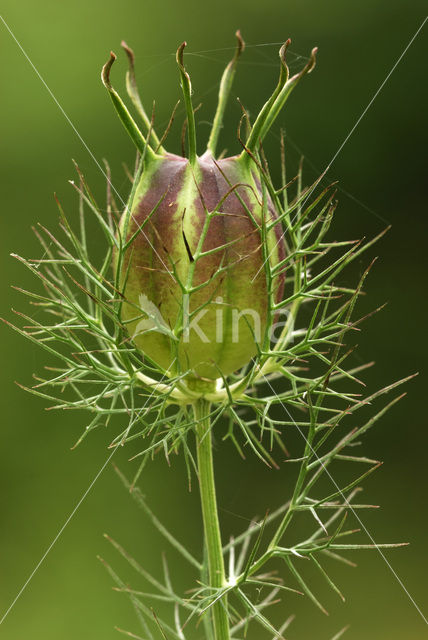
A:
381,175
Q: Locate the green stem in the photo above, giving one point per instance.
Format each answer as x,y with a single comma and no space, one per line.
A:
217,577
297,493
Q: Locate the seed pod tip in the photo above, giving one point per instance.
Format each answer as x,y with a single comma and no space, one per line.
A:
105,72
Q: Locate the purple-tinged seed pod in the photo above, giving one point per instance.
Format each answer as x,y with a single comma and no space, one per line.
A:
198,240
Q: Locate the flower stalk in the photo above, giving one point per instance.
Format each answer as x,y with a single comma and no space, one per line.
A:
214,550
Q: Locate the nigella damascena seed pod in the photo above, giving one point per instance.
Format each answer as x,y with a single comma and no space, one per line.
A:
197,262
200,239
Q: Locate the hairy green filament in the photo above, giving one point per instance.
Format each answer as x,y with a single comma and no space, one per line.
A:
186,87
